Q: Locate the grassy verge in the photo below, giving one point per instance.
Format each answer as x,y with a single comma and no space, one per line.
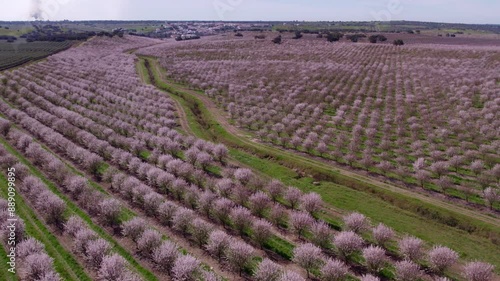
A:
474,239
64,262
74,209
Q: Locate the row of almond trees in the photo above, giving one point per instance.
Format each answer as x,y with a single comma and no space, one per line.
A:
143,179
379,108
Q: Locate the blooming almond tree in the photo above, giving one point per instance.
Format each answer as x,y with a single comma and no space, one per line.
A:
411,248
150,239
334,270
291,276
382,234
407,271
369,277
375,258
96,250
441,258
218,244
308,256
186,267
478,271
239,255
268,271
356,222
165,255
348,242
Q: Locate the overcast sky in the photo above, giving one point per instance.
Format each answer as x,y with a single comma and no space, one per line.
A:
456,11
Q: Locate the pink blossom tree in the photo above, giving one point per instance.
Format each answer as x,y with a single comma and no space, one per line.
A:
407,271
134,228
478,271
261,231
96,250
200,231
347,242
375,258
37,265
411,248
311,203
182,219
110,210
259,203
441,258
268,271
291,276
334,270
321,234
217,244
28,247
186,267
165,255
293,196
356,222
241,218
239,255
275,189
382,234
113,268
308,256
150,239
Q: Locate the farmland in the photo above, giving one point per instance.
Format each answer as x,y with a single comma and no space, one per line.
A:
241,159
17,53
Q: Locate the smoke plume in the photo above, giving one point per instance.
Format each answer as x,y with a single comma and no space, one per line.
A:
36,9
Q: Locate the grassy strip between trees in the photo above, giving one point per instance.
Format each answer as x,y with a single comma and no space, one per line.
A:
473,239
64,262
6,276
74,209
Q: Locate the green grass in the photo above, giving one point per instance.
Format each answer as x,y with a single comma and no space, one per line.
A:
74,209
473,239
64,262
7,276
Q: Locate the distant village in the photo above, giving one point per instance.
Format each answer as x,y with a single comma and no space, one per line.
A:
194,30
